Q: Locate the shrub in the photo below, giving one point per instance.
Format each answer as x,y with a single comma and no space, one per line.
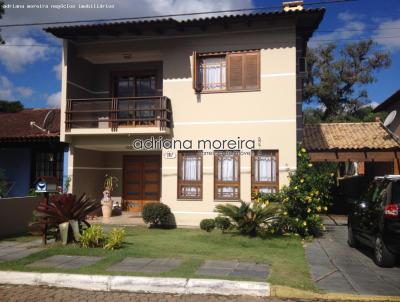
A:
158,215
115,239
207,224
222,223
307,196
249,218
92,237
63,208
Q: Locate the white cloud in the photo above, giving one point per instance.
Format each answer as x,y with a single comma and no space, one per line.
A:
8,91
24,91
352,27
54,100
6,88
387,34
15,58
122,9
348,16
373,105
57,70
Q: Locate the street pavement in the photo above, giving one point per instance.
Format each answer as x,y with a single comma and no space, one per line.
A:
23,293
335,267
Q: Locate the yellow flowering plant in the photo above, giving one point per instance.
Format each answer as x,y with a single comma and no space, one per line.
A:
308,195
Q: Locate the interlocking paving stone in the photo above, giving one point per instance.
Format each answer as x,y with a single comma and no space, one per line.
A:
12,250
65,261
221,264
250,274
54,294
234,268
145,265
220,272
337,267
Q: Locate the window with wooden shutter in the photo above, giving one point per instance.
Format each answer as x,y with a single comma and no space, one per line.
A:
235,71
190,174
196,83
226,71
265,171
252,70
227,175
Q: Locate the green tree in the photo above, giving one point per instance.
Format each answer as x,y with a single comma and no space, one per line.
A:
308,195
363,114
337,78
6,106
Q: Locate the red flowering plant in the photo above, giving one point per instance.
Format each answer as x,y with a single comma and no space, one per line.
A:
64,208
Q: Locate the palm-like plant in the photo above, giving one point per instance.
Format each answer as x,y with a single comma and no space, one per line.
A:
65,209
249,217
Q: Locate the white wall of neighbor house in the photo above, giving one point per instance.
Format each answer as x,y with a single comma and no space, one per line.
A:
267,116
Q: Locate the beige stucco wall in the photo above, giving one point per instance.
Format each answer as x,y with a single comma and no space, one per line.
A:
267,116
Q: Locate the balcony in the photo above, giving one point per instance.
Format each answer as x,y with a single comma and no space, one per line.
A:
148,114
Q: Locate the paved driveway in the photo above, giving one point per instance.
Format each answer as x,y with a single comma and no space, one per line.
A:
336,267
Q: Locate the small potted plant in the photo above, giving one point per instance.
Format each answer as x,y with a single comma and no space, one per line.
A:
106,203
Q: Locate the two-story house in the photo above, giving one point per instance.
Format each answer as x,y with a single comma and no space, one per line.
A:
190,112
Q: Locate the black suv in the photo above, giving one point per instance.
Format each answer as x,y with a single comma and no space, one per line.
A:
375,220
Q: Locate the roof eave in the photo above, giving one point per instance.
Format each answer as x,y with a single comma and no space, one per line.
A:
66,32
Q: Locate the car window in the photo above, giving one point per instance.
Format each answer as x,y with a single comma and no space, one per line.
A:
377,192
395,198
382,197
367,196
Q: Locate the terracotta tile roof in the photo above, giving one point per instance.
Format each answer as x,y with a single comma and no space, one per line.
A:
16,126
348,136
311,18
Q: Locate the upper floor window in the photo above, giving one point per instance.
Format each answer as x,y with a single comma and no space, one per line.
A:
190,174
264,171
227,71
212,73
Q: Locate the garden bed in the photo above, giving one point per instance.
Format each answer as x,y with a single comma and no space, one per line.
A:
283,254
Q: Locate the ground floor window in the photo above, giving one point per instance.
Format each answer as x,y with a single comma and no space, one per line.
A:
264,171
227,175
47,163
190,174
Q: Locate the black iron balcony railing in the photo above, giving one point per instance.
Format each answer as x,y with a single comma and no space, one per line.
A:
114,113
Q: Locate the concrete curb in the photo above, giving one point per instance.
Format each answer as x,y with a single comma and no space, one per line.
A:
137,284
294,293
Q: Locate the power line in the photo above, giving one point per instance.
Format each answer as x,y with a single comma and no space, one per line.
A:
321,41
169,15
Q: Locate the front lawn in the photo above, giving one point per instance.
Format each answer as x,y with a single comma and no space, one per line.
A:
285,254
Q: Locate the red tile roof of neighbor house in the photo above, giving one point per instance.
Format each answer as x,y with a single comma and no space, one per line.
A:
348,136
16,126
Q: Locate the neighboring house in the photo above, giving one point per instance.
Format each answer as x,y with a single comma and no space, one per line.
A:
363,151
390,104
370,144
204,81
27,152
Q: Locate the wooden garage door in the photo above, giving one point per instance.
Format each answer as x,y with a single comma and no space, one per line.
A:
141,181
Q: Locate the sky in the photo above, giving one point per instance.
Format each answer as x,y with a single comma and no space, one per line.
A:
31,73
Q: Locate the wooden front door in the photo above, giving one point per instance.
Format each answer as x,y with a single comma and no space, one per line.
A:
141,181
